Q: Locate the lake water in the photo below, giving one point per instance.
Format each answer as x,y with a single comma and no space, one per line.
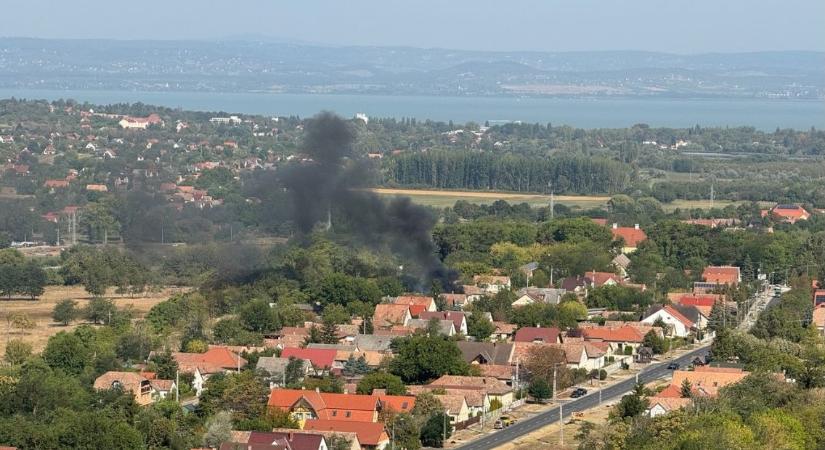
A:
578,112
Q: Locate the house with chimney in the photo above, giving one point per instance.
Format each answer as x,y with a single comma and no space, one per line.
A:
631,237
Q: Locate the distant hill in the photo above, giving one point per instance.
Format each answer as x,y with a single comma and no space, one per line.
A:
239,65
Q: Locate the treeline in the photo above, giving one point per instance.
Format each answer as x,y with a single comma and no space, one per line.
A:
19,276
489,171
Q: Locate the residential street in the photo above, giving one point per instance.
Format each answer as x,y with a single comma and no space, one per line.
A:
655,371
652,372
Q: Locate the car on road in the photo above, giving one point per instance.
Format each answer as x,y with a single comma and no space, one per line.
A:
673,366
578,392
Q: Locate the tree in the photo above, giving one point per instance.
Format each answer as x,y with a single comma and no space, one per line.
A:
656,343
294,371
436,429
633,404
68,352
338,442
543,362
196,346
540,389
100,310
259,317
65,311
686,389
479,327
329,332
164,365
381,380
355,366
426,404
218,429
17,351
421,358
405,432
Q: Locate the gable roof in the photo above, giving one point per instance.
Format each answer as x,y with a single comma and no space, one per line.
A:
453,403
421,300
327,405
721,274
488,384
369,433
216,359
319,357
532,334
458,318
295,440
491,353
389,314
668,403
622,334
708,380
371,342
672,311
632,236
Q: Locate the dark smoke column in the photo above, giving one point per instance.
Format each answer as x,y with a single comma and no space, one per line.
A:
333,181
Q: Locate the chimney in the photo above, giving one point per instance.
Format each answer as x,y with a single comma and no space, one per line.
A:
318,390
615,225
636,226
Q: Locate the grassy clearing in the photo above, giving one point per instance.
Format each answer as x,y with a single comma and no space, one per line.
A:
40,311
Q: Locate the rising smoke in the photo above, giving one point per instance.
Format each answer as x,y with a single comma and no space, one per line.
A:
333,181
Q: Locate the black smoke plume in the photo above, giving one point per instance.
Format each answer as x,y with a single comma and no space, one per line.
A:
332,180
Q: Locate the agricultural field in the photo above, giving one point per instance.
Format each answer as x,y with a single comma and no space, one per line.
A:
442,199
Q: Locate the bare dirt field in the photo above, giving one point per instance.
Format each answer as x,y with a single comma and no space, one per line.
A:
40,311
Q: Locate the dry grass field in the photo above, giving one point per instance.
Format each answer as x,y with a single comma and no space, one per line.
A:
40,311
442,199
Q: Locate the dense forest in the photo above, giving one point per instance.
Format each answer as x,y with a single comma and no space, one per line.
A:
489,171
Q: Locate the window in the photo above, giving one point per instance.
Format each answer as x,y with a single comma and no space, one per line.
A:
334,413
404,405
349,413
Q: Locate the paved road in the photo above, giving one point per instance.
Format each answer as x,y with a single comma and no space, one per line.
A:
525,426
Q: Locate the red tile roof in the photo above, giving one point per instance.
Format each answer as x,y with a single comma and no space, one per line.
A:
369,433
387,314
319,357
790,213
532,334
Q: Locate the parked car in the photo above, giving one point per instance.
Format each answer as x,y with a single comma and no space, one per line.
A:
673,366
578,392
498,425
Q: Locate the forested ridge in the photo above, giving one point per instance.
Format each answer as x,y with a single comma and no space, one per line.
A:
477,170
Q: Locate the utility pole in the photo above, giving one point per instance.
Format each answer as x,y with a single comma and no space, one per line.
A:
561,425
177,386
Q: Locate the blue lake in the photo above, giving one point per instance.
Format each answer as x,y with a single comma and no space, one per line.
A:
578,112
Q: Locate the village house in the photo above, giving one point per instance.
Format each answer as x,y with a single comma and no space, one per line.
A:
135,383
275,367
275,440
304,405
538,335
416,303
504,331
371,435
492,284
581,285
788,213
621,336
493,387
387,315
459,319
500,353
716,276
455,406
528,296
677,324
631,237
217,359
321,359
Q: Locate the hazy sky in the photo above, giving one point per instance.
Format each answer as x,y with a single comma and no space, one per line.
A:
682,26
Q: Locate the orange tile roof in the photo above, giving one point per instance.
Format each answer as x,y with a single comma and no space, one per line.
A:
397,403
327,405
620,334
632,236
388,314
819,315
409,300
216,359
721,274
669,403
488,384
709,380
369,433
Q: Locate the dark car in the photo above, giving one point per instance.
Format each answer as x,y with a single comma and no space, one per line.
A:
673,366
578,392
